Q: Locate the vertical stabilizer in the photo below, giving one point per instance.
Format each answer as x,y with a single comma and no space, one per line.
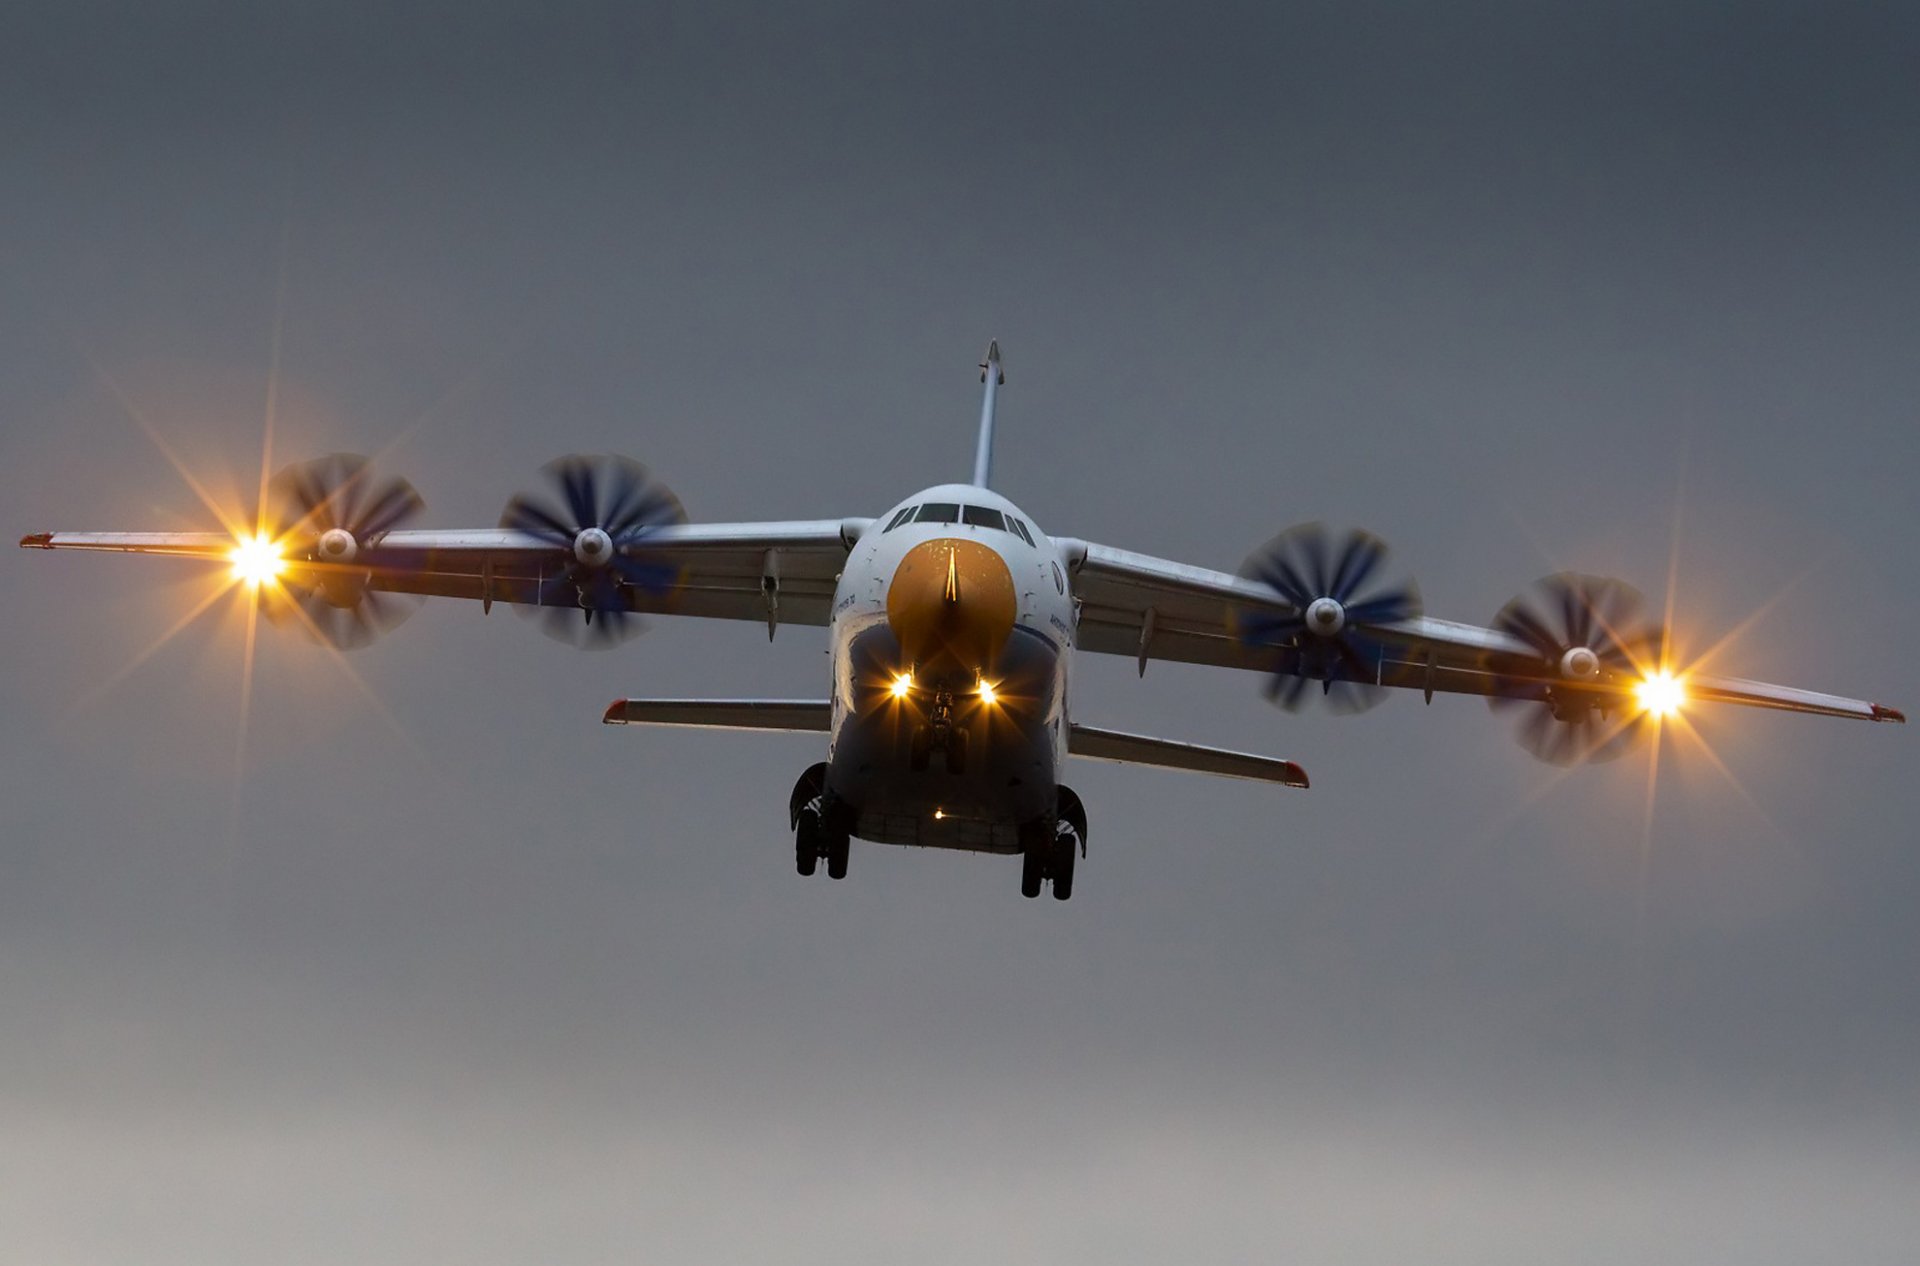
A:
992,375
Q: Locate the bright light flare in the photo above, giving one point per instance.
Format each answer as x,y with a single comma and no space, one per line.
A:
1660,693
257,561
902,686
987,693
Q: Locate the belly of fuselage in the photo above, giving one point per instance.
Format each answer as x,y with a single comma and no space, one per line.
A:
940,767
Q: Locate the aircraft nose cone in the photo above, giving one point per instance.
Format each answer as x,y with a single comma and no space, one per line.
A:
952,605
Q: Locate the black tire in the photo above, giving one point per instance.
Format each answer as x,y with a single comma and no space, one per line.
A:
1030,873
837,848
1063,868
920,749
806,843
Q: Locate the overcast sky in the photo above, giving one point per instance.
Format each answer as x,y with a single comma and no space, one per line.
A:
434,967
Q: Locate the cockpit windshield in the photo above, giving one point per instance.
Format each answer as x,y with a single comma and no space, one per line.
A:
953,512
984,516
938,512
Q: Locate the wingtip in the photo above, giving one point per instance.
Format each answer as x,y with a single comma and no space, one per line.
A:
1881,712
37,540
612,716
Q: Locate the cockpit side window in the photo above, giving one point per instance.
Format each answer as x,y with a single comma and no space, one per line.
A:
1019,527
987,517
938,512
900,518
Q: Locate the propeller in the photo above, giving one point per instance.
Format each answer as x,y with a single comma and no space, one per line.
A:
596,514
1331,584
1584,629
327,512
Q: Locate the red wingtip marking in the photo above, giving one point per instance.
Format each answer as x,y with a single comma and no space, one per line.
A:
611,715
37,540
1881,712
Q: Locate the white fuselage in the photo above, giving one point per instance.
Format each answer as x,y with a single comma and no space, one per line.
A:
922,616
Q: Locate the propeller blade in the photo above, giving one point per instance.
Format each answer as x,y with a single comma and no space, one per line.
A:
1358,561
343,628
1399,604
339,490
536,520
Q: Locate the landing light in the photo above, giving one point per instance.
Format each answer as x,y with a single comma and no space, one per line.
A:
902,685
256,560
1661,693
987,693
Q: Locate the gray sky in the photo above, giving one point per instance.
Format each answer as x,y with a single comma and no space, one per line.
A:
451,972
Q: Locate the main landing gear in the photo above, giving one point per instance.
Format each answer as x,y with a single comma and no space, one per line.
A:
1050,846
1051,849
813,839
819,827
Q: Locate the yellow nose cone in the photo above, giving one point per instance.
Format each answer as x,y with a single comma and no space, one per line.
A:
952,605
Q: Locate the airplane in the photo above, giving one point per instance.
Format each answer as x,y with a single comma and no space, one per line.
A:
953,621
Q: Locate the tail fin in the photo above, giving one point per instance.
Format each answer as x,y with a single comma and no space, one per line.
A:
992,375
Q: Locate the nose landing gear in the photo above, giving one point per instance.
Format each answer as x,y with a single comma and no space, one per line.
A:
938,733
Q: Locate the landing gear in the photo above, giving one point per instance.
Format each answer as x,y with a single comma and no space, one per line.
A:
1051,848
820,826
938,733
806,843
816,836
1066,850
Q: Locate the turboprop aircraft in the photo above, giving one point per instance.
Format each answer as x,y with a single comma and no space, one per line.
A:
953,620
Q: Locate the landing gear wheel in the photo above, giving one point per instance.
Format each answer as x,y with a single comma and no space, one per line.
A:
1030,876
1063,858
920,750
806,842
836,850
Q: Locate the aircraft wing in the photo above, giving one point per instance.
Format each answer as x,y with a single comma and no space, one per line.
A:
777,572
1150,608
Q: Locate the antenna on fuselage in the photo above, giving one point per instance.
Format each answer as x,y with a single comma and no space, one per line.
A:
992,375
